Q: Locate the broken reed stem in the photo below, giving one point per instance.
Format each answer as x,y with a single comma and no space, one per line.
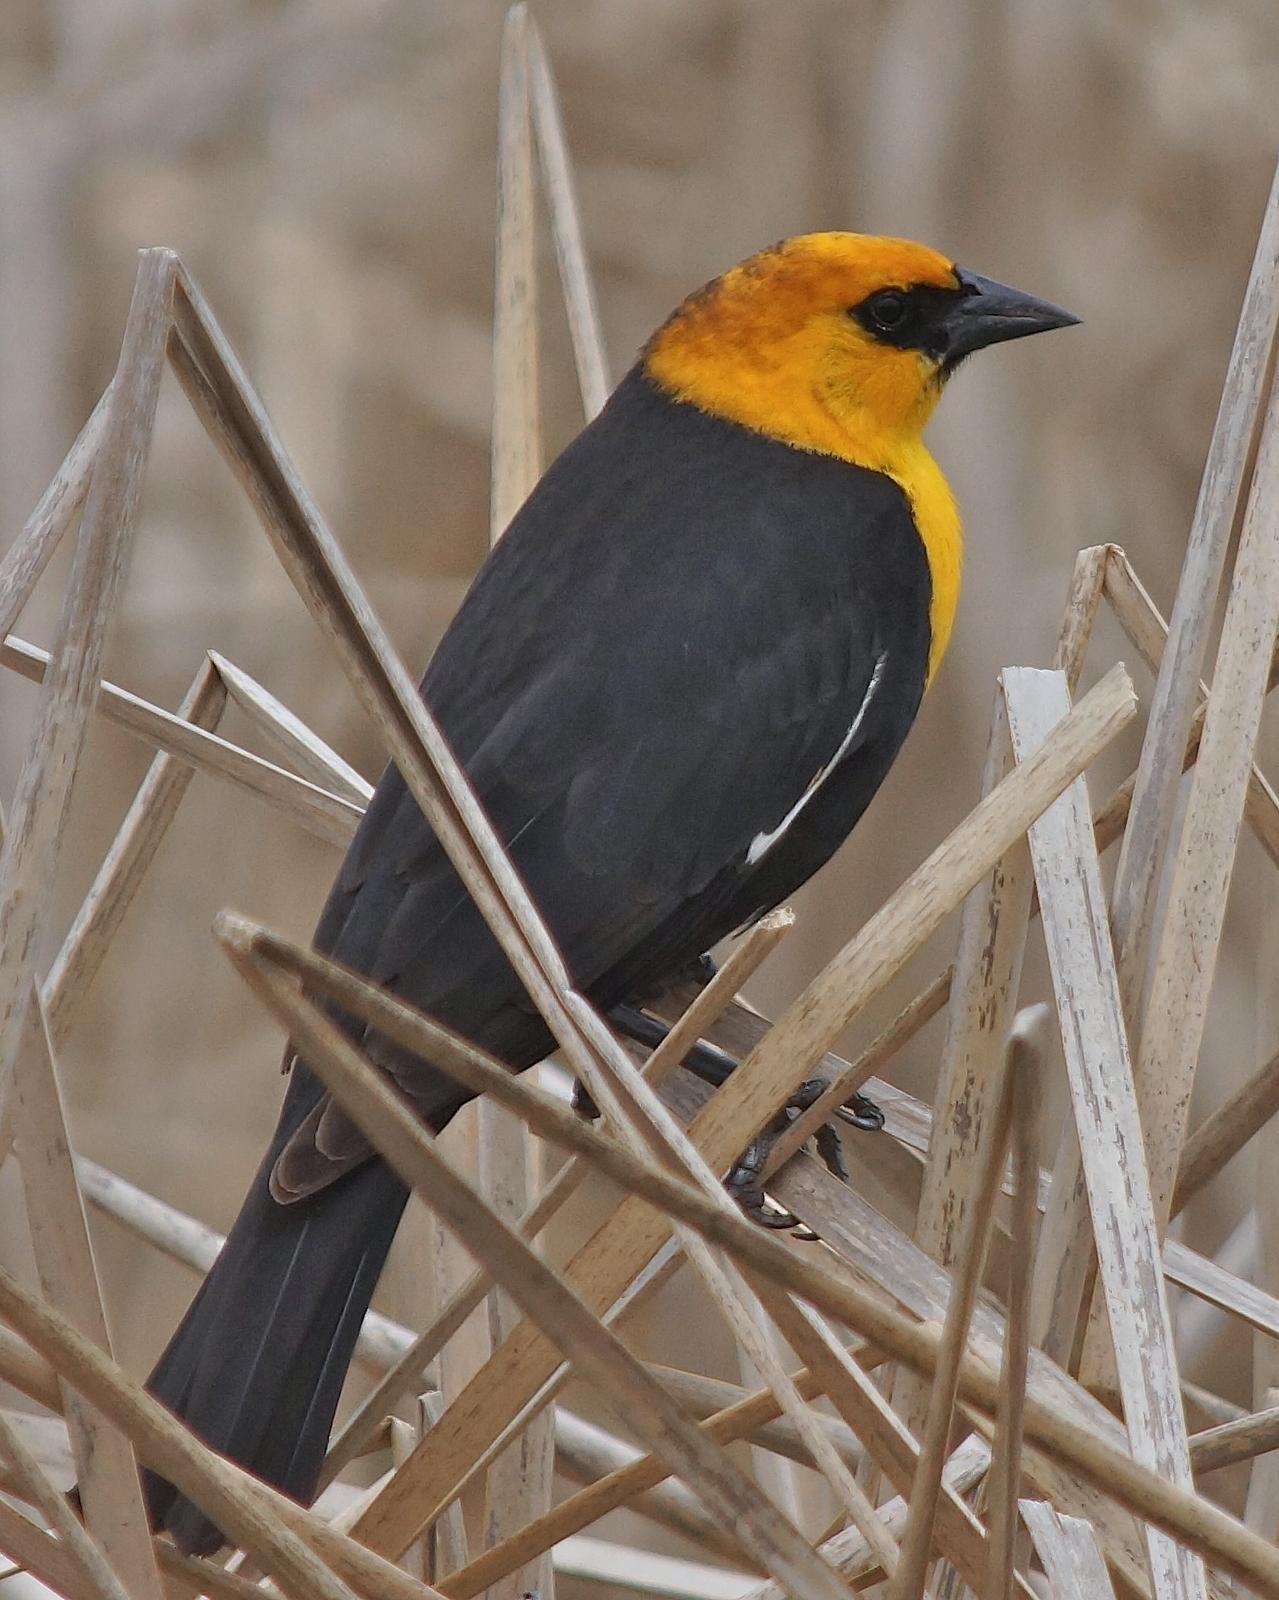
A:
706,1397
566,225
1229,1442
1109,1151
109,1488
301,747
108,1474
516,447
517,1485
1003,1483
1080,612
1140,619
970,1254
972,1067
1068,1552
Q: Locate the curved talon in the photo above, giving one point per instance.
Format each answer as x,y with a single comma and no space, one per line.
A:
745,1187
864,1113
745,1182
780,1219
859,1109
831,1150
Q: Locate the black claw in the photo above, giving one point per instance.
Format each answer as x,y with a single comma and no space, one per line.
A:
746,1187
859,1109
745,1182
864,1113
778,1219
831,1150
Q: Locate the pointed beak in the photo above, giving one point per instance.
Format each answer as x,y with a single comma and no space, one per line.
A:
991,312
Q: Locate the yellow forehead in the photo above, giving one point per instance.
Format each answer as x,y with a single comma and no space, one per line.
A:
779,289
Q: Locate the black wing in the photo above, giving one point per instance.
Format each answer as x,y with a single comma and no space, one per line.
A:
671,643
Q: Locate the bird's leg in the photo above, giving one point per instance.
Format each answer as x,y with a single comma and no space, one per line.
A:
706,1061
713,1066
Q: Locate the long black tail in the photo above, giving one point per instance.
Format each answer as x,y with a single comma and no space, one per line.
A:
257,1365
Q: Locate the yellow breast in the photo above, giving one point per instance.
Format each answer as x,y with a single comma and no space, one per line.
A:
937,519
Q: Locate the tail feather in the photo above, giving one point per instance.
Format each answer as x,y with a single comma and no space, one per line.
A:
256,1367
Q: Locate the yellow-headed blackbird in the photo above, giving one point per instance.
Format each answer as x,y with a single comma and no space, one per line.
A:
675,686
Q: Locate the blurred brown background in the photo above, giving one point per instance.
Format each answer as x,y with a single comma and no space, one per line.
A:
327,172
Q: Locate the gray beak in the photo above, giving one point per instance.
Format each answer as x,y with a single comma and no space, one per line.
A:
991,312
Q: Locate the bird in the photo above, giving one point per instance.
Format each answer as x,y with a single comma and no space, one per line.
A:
675,685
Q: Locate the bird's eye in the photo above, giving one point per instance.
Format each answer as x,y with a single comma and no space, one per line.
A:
888,310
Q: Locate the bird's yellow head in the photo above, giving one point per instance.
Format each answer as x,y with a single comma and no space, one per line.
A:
836,342
841,343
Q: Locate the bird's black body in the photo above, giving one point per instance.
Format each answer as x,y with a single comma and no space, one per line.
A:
669,646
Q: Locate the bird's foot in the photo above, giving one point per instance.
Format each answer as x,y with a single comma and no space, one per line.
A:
745,1182
863,1112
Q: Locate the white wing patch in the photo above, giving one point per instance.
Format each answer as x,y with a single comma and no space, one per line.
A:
763,842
